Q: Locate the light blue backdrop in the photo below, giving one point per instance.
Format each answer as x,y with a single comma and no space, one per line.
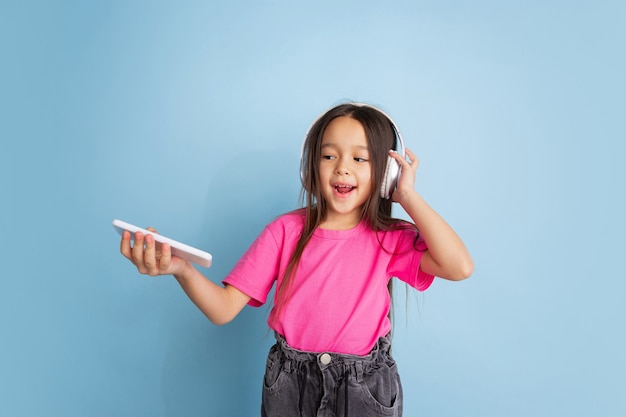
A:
188,116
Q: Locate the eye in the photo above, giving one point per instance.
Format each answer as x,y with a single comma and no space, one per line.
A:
328,157
360,159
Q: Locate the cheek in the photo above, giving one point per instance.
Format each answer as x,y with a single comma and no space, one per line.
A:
323,173
366,174
367,180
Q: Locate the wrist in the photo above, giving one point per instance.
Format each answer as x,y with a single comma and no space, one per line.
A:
406,197
185,270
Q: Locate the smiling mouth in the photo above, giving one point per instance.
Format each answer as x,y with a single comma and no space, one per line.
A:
343,188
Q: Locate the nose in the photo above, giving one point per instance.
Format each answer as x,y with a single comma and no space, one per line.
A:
342,165
341,169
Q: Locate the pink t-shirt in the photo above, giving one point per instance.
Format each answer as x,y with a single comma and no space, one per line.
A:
339,302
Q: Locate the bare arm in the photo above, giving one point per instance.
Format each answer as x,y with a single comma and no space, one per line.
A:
447,256
219,304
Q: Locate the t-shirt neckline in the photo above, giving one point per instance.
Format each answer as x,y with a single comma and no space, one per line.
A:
339,234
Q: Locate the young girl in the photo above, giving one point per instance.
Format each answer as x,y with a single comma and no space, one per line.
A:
332,262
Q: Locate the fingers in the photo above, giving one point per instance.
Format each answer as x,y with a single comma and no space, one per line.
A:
410,162
406,183
414,161
142,253
137,253
125,245
150,257
166,256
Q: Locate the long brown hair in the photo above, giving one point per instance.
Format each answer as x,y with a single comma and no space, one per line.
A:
376,211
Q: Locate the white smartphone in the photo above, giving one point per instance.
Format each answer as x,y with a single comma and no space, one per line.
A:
179,249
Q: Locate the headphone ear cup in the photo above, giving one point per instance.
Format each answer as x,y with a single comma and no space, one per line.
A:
390,179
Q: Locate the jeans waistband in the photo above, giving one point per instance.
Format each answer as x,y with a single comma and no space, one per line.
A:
383,346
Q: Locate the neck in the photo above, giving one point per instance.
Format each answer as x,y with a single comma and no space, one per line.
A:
340,222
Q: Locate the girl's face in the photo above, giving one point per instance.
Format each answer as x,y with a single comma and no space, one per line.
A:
345,172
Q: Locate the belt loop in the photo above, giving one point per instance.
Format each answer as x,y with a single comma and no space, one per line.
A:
385,343
358,365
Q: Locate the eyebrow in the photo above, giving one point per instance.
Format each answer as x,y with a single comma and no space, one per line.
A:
332,145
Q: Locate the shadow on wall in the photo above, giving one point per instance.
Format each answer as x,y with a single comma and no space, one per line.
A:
212,370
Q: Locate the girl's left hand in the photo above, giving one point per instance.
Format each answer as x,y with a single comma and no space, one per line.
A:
406,184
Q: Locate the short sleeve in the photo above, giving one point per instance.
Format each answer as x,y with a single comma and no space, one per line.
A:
405,261
255,273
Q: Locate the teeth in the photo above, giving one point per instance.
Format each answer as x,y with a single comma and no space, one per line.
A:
344,189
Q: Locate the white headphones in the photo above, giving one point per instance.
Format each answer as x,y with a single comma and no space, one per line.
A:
392,170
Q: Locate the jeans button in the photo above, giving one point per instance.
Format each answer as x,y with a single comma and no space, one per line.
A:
325,359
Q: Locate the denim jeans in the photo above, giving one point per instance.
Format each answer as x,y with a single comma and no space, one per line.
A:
307,384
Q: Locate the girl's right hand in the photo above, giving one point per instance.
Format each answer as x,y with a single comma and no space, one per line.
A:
148,260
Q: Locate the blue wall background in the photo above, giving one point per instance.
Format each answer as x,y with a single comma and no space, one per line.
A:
188,116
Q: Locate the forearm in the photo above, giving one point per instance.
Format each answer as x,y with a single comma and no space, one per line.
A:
219,304
447,256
